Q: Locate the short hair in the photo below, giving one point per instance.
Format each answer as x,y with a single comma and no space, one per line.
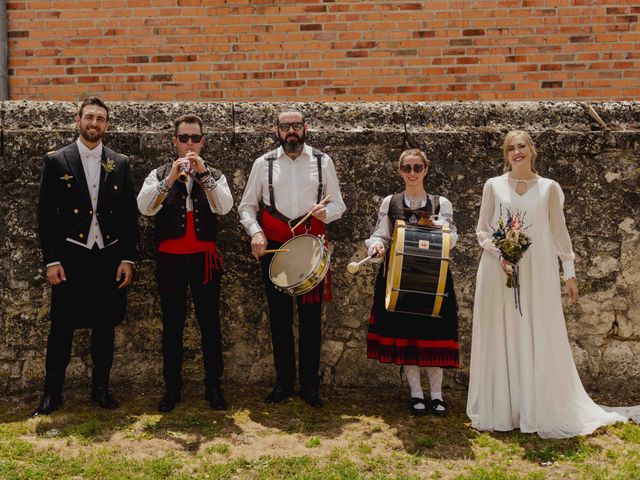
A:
188,118
290,110
414,152
527,139
92,101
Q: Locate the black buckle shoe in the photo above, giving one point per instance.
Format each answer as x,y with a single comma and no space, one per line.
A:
102,396
215,398
311,396
48,404
278,394
418,412
433,408
168,402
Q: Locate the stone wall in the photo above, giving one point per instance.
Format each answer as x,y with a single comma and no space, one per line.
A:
598,169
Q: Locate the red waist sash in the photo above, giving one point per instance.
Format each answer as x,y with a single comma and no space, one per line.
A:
278,231
189,243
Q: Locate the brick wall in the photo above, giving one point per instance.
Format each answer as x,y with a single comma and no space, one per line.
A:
321,50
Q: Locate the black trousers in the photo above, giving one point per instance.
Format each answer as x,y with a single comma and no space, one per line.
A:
89,298
175,273
282,339
59,354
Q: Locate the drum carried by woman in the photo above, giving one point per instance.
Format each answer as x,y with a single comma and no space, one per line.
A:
414,317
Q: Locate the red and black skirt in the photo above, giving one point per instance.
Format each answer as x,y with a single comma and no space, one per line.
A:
409,339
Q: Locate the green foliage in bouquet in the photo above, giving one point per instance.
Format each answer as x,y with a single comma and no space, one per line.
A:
511,238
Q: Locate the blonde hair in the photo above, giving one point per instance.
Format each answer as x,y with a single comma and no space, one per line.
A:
414,152
527,139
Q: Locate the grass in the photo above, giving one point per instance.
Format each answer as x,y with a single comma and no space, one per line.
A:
350,438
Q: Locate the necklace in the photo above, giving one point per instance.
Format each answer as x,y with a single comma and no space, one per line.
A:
415,203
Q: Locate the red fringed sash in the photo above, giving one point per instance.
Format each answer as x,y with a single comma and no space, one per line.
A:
189,243
278,231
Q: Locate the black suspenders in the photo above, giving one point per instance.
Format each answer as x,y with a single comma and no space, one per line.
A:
318,155
271,157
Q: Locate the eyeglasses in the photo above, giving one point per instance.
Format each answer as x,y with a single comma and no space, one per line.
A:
184,138
284,127
417,167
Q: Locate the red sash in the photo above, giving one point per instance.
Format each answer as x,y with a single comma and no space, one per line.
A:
189,243
278,231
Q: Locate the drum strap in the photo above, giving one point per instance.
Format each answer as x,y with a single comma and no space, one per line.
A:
435,203
272,209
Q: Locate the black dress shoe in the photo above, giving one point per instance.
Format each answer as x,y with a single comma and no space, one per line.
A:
418,412
311,396
215,398
168,402
434,410
102,396
278,394
48,404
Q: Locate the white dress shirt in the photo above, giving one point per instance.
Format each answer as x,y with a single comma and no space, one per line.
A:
382,233
220,200
91,160
295,185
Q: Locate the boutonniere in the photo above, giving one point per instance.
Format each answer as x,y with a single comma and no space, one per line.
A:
109,166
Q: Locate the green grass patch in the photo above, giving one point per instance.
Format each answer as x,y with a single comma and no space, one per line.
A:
313,442
221,448
629,432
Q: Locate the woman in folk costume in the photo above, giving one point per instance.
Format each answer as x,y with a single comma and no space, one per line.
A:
406,339
522,370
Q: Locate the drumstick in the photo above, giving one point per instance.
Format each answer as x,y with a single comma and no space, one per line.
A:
276,250
304,219
353,267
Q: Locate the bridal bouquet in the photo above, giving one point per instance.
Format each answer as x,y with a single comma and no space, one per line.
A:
511,239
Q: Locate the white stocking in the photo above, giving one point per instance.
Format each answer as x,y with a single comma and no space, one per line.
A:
435,384
412,372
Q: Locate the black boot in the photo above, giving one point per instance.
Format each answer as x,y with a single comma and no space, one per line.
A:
278,394
102,396
169,401
48,404
215,398
311,396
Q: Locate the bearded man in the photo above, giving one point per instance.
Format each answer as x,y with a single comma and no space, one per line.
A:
297,177
87,222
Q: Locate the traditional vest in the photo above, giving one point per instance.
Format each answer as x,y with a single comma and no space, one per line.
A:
170,221
399,211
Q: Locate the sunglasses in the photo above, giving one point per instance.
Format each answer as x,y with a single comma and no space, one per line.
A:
184,138
284,127
417,167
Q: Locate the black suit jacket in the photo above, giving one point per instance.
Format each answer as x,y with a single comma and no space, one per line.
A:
65,209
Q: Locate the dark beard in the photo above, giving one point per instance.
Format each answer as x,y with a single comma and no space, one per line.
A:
293,147
90,137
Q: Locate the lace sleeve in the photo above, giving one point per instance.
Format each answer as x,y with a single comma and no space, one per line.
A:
446,215
484,231
381,234
563,244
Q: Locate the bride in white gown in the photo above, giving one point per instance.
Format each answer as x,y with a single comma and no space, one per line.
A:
522,371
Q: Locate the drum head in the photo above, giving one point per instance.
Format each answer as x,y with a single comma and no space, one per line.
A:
290,268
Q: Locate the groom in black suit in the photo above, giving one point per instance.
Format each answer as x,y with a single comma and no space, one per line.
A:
88,229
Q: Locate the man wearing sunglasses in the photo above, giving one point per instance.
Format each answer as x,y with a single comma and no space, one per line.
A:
298,178
185,197
87,222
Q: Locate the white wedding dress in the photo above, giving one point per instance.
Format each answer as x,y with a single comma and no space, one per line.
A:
522,370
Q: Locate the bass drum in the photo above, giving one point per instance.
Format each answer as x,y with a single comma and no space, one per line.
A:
417,269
